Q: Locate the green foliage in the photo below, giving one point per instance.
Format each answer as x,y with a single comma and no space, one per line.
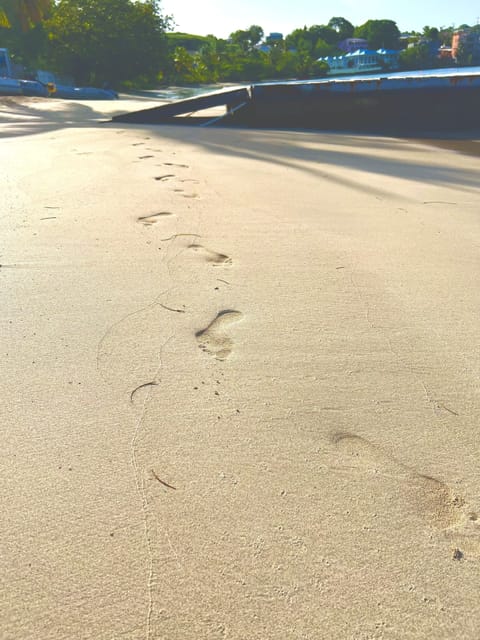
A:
379,34
431,33
464,55
111,41
325,33
468,52
343,27
185,40
27,48
247,39
445,35
418,57
22,32
127,43
316,41
189,67
23,13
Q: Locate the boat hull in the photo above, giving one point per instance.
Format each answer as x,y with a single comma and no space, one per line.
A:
83,93
10,87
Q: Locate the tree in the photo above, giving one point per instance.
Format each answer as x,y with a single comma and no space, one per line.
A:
111,41
210,57
189,68
445,35
323,32
255,34
186,40
380,34
248,38
343,27
22,32
431,33
418,57
23,12
468,52
315,41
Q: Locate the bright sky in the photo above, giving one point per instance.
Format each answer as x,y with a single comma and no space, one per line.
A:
221,17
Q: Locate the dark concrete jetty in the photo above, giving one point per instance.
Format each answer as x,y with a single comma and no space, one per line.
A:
434,99
230,98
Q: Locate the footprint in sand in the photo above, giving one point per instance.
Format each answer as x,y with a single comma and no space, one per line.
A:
213,339
216,259
173,164
186,195
430,498
153,218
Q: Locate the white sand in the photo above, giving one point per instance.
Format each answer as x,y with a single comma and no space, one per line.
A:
289,338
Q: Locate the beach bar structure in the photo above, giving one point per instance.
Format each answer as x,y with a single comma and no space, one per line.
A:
440,99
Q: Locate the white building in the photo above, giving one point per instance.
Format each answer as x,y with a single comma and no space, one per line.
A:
362,61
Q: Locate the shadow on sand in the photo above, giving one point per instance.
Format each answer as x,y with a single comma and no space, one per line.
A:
367,156
317,152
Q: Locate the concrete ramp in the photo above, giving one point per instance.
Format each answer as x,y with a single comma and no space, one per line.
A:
231,98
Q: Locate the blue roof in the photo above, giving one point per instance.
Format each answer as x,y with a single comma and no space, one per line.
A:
361,52
398,78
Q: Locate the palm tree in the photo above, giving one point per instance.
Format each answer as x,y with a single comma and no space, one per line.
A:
25,12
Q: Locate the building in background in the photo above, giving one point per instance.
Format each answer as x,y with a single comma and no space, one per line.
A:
466,47
362,61
350,45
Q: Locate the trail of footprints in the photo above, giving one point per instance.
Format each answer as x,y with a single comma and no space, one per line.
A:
214,338
430,498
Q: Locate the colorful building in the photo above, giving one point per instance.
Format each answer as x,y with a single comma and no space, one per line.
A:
445,53
362,61
350,45
468,41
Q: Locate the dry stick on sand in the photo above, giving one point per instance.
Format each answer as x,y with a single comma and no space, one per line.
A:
146,384
449,410
165,484
170,308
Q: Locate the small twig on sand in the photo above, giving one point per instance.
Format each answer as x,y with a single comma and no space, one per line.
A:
170,308
449,410
165,484
147,384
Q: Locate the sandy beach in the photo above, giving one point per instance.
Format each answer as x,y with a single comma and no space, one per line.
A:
240,381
